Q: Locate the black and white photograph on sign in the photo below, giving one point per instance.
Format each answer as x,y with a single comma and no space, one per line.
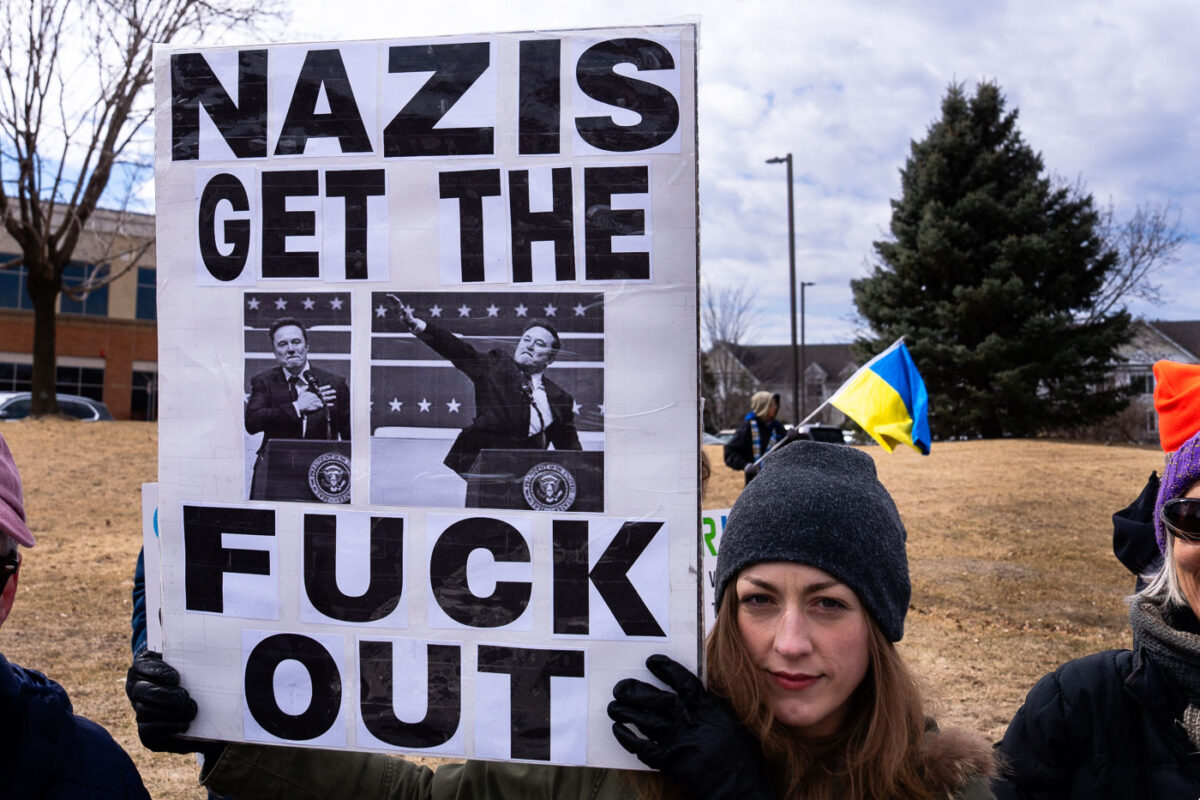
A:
488,400
297,396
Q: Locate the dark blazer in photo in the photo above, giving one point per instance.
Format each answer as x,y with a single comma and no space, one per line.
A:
501,408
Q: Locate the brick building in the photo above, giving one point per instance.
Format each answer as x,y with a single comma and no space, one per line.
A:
107,340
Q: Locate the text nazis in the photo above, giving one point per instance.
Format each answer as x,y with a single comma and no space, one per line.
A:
619,98
324,106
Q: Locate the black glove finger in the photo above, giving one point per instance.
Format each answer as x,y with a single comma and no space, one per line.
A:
162,699
149,666
634,692
678,677
182,713
648,752
161,729
652,724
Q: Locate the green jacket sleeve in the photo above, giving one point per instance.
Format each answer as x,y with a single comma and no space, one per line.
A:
978,789
288,773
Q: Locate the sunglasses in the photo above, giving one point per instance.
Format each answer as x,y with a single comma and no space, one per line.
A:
1181,517
8,568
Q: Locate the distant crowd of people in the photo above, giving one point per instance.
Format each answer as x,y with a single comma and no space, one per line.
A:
805,695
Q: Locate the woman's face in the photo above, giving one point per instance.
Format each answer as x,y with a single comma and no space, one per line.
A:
1187,563
809,634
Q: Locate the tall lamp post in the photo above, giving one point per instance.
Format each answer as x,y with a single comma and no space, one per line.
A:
803,358
792,282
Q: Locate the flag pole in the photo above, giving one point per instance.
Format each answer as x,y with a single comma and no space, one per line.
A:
827,400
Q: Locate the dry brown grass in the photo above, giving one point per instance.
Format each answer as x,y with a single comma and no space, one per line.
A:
1010,545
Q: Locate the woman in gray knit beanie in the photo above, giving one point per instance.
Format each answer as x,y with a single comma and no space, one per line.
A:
1126,723
812,589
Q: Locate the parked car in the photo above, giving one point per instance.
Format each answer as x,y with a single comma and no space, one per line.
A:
822,433
15,405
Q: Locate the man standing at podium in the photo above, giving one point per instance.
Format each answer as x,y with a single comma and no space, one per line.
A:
294,400
516,406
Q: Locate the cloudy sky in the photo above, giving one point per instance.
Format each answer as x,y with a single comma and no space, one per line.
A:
1107,92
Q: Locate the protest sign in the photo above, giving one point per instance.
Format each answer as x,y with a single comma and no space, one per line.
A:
712,528
428,453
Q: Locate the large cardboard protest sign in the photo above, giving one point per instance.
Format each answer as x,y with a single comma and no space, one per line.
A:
428,356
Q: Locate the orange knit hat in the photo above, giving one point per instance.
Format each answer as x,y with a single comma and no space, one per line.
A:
1177,401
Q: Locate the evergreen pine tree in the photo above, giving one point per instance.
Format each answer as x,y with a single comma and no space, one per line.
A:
991,271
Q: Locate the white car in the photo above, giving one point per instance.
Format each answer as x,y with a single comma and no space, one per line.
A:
15,405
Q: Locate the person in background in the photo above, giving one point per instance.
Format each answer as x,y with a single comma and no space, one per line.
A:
758,432
807,696
294,399
1126,723
517,407
46,750
1134,543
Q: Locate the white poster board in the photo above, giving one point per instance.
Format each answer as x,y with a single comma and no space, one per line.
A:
383,536
712,528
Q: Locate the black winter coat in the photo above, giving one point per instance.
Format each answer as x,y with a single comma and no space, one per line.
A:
1098,727
48,753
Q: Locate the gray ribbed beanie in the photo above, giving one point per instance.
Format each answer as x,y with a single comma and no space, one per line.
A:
823,506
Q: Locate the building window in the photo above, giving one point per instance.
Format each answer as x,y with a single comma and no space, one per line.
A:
1152,421
144,402
14,292
86,381
94,304
147,302
15,377
1141,383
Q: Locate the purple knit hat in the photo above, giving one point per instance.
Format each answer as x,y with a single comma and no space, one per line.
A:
12,505
1183,469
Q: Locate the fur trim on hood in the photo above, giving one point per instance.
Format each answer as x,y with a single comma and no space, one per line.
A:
955,757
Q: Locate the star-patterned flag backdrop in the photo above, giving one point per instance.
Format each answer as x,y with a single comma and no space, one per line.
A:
324,315
413,387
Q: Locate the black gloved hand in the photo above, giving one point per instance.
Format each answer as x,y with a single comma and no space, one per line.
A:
163,708
691,735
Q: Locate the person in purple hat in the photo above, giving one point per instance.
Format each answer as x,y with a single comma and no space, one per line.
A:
1126,723
46,750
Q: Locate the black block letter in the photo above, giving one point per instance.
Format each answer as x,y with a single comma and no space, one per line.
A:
443,707
658,108
602,222
323,672
206,561
448,572
243,126
386,581
529,674
455,68
555,226
323,68
469,188
278,224
227,188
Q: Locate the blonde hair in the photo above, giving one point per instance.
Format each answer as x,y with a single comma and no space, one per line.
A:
1162,587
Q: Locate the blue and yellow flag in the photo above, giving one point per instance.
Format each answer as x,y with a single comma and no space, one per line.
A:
888,399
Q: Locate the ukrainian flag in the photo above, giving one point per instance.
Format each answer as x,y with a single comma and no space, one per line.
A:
888,399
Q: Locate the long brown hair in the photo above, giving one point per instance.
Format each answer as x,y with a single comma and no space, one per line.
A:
877,755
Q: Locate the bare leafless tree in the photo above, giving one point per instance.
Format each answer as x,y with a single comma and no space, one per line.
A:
75,108
728,314
1145,243
728,317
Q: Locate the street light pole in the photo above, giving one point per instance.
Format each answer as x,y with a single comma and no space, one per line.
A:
792,283
803,357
